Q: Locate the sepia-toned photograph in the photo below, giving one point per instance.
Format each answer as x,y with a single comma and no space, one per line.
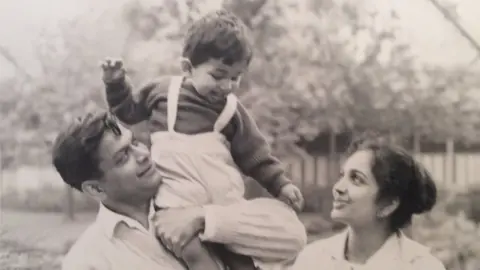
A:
239,134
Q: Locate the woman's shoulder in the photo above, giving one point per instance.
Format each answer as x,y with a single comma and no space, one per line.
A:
322,251
419,256
334,243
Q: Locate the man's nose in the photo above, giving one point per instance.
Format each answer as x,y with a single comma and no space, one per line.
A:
227,84
141,152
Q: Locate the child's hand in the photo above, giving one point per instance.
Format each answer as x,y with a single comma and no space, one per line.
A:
292,196
113,70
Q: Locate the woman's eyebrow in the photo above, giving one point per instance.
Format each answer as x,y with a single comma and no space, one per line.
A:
360,173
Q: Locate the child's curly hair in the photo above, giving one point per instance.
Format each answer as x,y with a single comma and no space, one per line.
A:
217,35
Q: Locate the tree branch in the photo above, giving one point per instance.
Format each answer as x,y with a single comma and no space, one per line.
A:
9,57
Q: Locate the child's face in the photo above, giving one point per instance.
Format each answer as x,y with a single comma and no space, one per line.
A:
215,79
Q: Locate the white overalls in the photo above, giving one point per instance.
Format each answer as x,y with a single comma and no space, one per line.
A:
197,169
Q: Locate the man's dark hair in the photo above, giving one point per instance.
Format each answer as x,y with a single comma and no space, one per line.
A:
74,153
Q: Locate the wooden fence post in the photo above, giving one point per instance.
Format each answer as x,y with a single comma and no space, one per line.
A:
450,159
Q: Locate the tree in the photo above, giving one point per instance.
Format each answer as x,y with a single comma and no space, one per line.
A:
335,70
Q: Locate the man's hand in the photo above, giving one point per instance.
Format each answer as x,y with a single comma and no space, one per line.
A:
113,70
292,196
177,227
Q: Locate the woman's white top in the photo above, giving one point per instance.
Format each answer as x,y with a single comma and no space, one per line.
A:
398,253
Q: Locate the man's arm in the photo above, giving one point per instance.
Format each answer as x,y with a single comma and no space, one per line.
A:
263,228
253,154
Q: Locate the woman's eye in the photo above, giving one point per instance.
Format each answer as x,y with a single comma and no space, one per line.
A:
356,179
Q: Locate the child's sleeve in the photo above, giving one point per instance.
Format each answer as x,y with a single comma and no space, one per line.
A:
253,154
130,108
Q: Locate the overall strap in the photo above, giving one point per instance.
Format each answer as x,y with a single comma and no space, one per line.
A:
172,101
227,113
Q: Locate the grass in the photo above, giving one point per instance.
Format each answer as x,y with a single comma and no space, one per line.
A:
40,240
37,240
16,256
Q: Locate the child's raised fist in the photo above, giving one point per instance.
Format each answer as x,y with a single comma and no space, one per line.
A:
113,70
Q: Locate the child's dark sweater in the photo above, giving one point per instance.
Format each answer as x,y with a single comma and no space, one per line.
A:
196,115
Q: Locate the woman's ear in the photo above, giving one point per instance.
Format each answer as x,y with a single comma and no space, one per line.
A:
186,65
388,208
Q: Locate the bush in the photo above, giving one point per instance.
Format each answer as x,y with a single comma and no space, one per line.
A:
318,199
468,202
452,236
16,256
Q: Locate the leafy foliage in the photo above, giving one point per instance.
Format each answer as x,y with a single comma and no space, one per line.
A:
334,70
453,238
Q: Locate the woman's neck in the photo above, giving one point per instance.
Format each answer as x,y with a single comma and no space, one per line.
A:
364,242
136,211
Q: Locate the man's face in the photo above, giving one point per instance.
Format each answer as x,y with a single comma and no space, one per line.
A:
129,175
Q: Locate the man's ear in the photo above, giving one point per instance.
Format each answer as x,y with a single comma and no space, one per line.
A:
186,65
94,189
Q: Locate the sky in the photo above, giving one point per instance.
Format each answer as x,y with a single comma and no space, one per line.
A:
433,39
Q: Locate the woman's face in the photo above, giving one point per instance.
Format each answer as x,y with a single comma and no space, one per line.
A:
356,191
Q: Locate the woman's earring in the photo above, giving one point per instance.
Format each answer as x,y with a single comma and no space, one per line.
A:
185,65
381,214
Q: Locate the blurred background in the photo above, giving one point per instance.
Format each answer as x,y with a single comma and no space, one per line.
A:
323,71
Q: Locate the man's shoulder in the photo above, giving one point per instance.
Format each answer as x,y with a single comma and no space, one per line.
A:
86,250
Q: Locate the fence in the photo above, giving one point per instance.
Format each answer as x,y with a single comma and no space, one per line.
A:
457,172
40,187
454,172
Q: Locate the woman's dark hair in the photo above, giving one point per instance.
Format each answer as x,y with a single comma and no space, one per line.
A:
400,177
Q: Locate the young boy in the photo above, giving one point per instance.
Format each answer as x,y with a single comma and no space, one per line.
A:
202,137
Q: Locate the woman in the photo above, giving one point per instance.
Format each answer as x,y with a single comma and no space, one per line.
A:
380,188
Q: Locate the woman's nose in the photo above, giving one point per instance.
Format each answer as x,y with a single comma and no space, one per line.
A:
339,187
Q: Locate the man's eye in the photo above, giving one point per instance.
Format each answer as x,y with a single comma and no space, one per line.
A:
123,157
135,142
216,76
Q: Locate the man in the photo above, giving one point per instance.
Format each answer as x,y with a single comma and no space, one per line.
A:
101,158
